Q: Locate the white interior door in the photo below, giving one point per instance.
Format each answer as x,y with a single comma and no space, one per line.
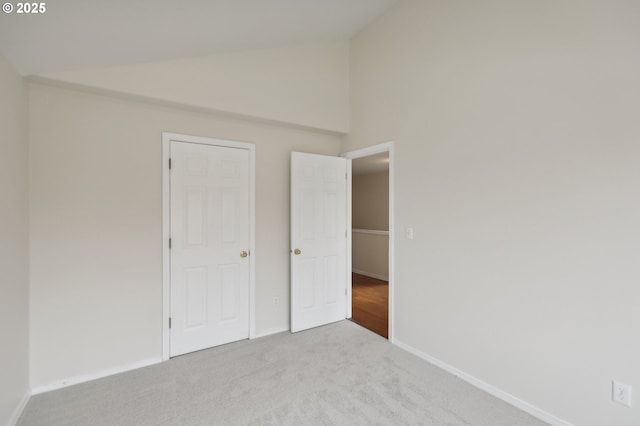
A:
318,240
209,246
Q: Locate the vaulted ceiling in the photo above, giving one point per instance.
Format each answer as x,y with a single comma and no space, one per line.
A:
78,34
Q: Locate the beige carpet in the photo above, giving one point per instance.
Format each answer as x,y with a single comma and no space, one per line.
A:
340,374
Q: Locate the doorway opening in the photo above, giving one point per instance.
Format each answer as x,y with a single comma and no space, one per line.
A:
371,236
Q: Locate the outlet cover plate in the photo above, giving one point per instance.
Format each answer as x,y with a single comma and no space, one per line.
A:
621,393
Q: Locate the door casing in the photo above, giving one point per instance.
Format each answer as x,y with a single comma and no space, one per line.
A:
365,152
166,227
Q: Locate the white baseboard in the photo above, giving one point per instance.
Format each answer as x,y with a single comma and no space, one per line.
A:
93,376
498,393
13,420
271,331
370,274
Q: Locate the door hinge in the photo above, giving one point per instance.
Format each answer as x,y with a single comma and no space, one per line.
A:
169,163
169,322
169,242
346,176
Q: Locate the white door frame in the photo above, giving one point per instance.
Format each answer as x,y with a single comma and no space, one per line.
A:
365,152
166,227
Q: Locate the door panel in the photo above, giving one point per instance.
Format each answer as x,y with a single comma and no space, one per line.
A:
196,295
230,288
209,229
318,232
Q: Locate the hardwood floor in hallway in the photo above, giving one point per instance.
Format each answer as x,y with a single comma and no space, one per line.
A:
370,307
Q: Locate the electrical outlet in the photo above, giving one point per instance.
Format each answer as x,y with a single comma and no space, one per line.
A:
409,232
621,393
276,301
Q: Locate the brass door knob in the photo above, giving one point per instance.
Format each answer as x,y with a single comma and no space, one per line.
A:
243,254
297,252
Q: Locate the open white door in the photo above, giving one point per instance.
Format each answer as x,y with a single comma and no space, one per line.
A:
210,237
318,240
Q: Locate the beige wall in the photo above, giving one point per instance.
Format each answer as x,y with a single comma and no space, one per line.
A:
371,212
96,261
370,255
305,85
14,301
371,201
517,151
